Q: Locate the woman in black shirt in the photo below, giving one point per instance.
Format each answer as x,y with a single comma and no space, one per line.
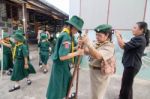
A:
133,51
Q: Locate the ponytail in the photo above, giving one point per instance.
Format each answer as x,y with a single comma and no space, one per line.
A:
144,26
147,36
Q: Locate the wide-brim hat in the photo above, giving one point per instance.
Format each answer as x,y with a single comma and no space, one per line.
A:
20,31
103,28
43,36
5,35
19,37
77,22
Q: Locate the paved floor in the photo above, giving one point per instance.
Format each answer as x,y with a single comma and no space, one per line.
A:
40,82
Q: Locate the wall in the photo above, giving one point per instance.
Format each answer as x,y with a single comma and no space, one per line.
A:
147,18
121,14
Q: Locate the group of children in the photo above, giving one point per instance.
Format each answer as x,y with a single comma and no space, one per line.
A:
15,58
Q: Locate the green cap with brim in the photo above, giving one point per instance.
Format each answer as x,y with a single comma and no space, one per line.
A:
5,35
103,28
43,36
19,37
20,31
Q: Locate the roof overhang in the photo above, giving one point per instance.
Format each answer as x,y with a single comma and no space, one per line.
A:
43,6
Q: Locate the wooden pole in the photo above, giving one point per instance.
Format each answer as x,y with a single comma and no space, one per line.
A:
2,56
77,79
73,78
76,74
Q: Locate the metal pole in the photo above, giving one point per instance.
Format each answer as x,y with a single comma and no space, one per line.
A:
2,57
24,17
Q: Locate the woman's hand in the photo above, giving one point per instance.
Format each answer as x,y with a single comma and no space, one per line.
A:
80,42
118,34
83,40
119,38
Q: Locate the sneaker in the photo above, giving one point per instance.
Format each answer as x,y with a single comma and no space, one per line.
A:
45,71
14,88
73,96
9,73
29,82
41,66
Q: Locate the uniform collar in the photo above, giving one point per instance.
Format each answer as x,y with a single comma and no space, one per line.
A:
100,44
66,30
97,43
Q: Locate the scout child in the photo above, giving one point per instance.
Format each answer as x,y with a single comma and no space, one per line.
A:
62,56
20,31
44,45
22,66
39,40
7,54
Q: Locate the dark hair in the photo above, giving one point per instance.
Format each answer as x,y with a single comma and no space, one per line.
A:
144,26
71,26
109,33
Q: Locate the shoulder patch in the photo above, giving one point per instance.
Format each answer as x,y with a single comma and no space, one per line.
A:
66,44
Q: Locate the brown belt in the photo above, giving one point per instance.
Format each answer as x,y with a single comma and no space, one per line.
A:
96,68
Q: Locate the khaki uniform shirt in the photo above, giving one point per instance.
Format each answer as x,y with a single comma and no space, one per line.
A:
106,49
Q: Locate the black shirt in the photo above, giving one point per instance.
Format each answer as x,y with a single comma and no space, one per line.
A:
133,51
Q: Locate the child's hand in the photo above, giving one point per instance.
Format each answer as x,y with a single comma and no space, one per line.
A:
26,66
80,51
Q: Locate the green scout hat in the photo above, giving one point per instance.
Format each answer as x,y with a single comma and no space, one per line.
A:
20,31
19,37
5,35
77,22
103,28
43,36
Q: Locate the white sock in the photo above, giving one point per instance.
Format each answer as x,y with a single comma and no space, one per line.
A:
17,84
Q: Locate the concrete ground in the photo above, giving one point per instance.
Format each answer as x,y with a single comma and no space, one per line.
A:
40,82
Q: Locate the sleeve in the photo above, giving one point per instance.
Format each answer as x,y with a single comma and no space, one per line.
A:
107,52
65,46
133,43
25,51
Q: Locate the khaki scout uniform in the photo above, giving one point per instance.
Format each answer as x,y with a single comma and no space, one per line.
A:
100,81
